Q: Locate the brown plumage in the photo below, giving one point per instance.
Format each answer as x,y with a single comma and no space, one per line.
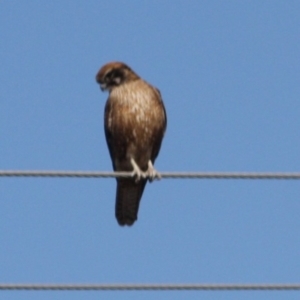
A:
134,122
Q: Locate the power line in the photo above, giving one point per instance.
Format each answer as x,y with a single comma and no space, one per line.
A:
151,287
173,175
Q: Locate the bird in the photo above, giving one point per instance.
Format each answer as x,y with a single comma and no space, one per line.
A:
135,122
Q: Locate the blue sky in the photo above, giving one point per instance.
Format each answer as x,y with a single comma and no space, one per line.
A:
229,75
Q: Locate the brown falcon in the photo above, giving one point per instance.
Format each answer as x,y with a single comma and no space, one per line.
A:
135,122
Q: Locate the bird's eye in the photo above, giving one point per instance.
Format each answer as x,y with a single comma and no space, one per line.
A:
114,77
109,75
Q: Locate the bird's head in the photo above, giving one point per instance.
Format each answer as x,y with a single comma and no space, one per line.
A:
114,74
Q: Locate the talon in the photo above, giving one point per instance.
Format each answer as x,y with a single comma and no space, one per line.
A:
137,173
151,173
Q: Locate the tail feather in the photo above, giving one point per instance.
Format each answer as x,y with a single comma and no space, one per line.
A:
129,194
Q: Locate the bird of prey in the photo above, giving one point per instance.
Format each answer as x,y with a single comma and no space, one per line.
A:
134,122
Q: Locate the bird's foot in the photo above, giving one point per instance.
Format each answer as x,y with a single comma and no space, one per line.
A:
151,173
137,172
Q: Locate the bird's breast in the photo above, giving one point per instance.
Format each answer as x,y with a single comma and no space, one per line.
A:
135,108
134,122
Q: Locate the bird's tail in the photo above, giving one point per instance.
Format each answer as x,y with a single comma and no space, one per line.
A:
129,194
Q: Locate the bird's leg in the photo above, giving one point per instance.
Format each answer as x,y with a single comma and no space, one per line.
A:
151,173
137,172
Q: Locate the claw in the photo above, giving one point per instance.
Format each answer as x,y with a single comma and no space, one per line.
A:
151,173
137,172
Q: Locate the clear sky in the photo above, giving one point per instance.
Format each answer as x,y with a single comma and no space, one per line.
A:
229,74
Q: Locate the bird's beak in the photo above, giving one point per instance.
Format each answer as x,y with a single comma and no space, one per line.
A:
103,86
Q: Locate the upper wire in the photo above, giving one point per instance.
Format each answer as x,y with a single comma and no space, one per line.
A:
173,175
152,287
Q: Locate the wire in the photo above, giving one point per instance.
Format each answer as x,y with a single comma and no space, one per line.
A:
182,175
152,287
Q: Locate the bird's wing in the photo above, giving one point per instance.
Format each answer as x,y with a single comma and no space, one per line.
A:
108,133
160,134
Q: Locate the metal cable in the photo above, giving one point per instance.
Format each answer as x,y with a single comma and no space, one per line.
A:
182,175
151,287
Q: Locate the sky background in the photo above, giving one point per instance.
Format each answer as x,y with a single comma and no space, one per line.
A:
229,74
